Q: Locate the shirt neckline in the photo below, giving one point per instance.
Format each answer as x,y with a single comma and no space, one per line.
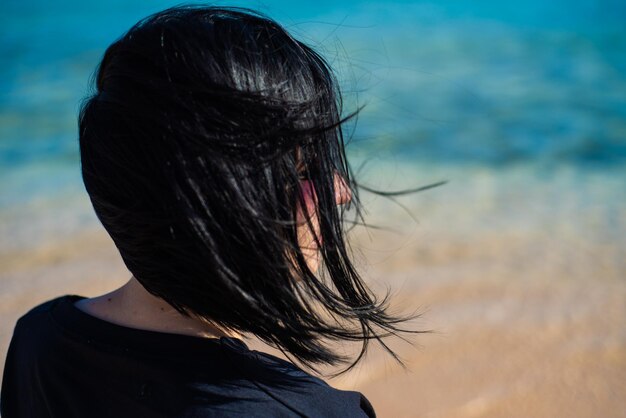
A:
93,330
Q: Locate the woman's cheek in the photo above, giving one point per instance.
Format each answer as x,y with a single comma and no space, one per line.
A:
310,200
306,234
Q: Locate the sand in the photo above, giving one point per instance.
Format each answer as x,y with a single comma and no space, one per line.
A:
522,287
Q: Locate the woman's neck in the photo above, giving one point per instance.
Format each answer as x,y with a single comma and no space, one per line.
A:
133,306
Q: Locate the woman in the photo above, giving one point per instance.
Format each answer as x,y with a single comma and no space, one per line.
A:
212,153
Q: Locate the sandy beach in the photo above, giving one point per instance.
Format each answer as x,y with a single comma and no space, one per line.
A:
527,316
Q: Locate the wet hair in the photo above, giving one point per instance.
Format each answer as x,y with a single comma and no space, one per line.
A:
194,146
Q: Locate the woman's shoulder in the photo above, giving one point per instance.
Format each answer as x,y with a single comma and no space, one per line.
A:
217,373
46,307
293,387
38,318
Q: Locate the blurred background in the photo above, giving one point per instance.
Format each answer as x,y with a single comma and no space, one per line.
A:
518,262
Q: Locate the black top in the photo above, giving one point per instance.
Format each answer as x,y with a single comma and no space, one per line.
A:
63,362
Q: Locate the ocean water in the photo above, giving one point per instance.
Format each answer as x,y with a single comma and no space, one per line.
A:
534,87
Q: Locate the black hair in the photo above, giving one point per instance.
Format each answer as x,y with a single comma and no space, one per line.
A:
193,148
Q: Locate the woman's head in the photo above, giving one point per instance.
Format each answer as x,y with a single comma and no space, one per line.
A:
213,155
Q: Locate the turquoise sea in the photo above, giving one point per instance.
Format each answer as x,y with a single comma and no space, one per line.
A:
450,88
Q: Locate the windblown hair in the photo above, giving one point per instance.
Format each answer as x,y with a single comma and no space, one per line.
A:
194,147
